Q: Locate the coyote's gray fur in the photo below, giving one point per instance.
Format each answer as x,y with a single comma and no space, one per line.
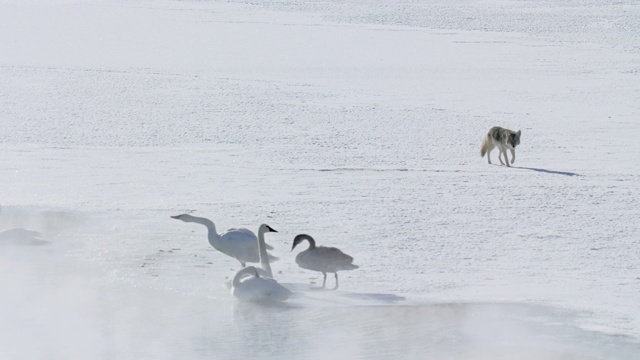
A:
503,139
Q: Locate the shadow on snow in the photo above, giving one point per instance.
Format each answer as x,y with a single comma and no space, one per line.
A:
566,173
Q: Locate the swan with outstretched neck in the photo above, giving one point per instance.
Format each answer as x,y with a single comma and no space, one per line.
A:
249,285
241,244
322,258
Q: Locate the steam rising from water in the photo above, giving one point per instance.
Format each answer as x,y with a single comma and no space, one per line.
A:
57,307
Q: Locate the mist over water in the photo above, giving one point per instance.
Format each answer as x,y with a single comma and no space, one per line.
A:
61,307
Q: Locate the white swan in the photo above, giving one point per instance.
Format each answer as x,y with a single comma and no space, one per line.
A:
240,244
322,258
265,268
249,286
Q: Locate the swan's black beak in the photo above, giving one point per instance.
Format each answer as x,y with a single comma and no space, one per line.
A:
175,216
271,229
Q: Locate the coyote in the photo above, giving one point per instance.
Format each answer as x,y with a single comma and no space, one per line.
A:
502,138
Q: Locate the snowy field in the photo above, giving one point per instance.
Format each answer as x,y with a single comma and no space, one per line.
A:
357,122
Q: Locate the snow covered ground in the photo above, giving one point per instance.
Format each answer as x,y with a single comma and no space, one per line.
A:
358,122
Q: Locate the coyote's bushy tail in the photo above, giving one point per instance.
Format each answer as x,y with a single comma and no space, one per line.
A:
485,146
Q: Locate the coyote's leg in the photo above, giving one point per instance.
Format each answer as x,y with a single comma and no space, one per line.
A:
500,151
506,158
489,155
513,155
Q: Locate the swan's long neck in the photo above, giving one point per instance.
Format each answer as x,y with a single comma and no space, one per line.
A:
312,242
241,273
211,227
262,250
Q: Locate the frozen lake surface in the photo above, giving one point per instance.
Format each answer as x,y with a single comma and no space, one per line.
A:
356,122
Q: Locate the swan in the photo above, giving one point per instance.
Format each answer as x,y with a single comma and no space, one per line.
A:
248,283
322,258
240,244
249,286
265,268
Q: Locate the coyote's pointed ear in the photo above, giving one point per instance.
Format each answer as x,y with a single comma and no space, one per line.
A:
518,133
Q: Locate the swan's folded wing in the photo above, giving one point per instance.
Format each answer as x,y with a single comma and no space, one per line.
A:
333,254
243,231
260,289
242,242
245,235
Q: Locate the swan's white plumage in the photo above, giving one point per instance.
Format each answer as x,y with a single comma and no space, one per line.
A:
241,244
228,282
323,259
265,268
249,286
